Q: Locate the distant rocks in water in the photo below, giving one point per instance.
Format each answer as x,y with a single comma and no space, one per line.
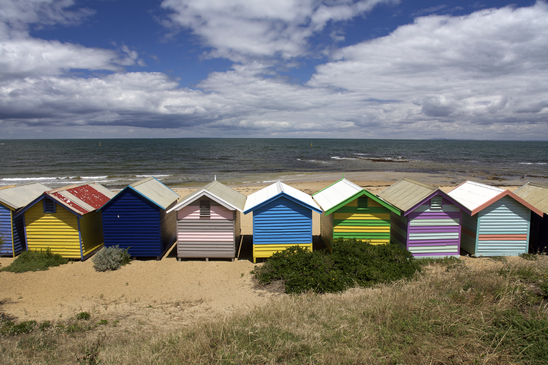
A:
383,159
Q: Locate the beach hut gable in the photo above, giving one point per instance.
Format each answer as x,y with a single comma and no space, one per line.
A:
282,217
353,212
430,224
136,219
66,220
496,221
208,222
12,202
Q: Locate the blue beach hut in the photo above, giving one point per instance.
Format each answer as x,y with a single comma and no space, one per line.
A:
137,218
282,218
12,225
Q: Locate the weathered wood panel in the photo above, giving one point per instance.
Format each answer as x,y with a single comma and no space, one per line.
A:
57,231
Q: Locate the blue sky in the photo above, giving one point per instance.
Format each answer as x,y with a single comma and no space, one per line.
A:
286,68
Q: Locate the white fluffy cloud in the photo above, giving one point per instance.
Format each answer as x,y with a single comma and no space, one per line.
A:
238,29
482,76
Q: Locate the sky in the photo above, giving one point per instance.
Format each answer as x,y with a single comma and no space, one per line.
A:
285,68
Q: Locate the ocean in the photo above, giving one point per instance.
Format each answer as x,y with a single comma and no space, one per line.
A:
192,161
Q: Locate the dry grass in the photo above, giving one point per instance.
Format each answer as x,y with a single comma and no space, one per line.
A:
447,315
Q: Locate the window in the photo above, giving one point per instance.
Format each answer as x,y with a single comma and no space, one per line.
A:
435,203
49,206
204,208
362,202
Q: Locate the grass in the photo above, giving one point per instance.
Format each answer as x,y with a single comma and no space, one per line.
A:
460,316
35,261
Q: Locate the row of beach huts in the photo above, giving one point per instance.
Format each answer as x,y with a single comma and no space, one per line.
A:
149,218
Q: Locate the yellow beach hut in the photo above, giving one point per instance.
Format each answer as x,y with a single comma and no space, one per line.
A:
66,220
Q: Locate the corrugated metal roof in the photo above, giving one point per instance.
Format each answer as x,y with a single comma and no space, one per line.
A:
20,196
472,194
82,199
273,191
222,194
534,194
476,197
156,192
336,194
405,194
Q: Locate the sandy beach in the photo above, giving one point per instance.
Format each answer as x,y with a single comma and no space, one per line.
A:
168,292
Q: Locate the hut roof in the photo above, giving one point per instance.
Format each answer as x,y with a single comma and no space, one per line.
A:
534,194
405,194
343,192
82,199
153,190
222,194
276,190
475,196
20,196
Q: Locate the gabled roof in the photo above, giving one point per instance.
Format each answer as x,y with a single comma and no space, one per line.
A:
343,192
153,190
21,196
405,194
475,196
222,194
276,190
81,199
534,194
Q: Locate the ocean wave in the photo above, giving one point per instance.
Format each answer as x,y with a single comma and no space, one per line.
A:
94,177
532,163
156,176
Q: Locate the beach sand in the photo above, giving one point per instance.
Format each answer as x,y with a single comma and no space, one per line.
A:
167,293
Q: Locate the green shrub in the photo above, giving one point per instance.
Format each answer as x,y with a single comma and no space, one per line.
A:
35,261
370,264
352,263
111,258
83,316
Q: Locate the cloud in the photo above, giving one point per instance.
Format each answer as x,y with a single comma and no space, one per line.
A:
482,76
24,56
238,29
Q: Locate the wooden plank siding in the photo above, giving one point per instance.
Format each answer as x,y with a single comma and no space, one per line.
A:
91,232
279,224
6,232
503,229
431,230
326,230
210,235
57,231
133,223
369,224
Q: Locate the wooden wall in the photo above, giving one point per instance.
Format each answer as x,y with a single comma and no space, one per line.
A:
214,236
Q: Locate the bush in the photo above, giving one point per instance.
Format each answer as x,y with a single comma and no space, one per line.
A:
35,261
111,258
370,264
352,263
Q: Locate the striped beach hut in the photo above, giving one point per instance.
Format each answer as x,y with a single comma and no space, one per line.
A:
137,218
495,221
282,218
537,196
429,223
208,222
350,211
66,220
12,201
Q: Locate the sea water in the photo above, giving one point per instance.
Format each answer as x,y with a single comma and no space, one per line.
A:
192,161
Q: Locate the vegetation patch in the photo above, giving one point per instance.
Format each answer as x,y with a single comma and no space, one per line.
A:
352,263
111,258
35,261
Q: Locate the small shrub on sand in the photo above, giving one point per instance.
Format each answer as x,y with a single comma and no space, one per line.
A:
111,258
35,261
352,263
